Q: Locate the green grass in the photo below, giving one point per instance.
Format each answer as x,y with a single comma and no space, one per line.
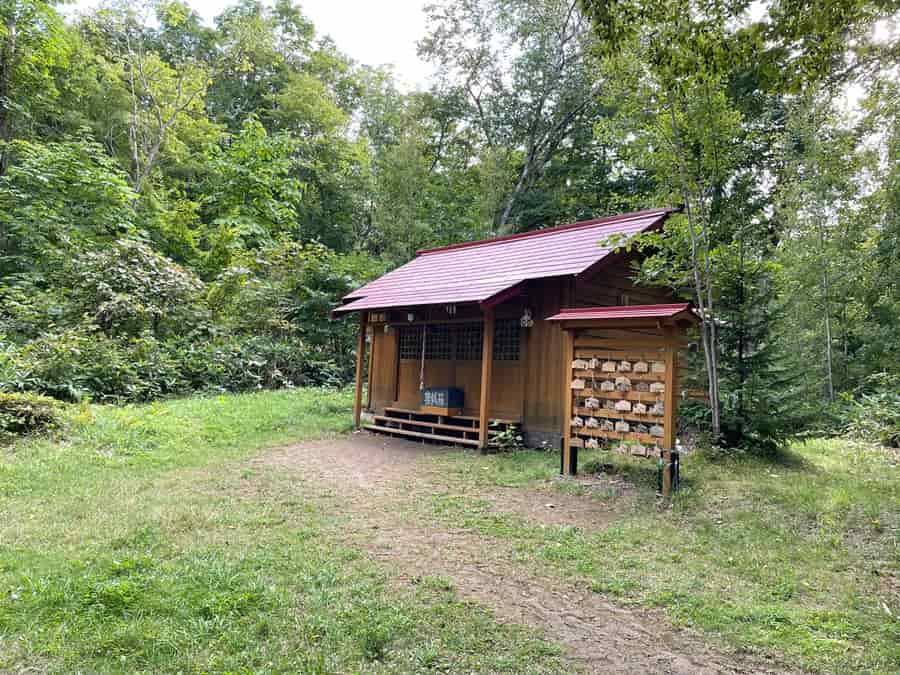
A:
795,556
139,540
130,544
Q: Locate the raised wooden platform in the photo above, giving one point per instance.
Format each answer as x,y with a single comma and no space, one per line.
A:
455,429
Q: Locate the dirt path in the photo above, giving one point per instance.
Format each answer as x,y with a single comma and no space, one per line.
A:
373,476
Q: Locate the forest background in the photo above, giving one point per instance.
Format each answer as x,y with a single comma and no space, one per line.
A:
182,203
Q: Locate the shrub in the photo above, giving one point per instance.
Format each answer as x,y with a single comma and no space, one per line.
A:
506,440
127,288
873,413
26,413
258,362
79,363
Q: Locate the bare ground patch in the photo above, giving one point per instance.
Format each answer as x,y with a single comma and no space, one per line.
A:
372,476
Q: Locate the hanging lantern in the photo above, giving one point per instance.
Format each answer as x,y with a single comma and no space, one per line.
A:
410,317
526,321
451,310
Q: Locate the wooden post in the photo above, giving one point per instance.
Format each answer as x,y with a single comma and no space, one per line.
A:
487,363
370,385
360,359
670,403
568,351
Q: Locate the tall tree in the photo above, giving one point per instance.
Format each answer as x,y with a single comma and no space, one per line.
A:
524,68
30,43
161,96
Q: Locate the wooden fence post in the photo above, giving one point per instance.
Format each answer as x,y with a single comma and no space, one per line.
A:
670,403
360,360
487,363
568,351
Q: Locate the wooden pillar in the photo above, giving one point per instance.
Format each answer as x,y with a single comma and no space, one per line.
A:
360,359
670,403
370,384
487,363
568,353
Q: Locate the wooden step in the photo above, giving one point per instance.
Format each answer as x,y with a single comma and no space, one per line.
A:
407,411
420,423
416,434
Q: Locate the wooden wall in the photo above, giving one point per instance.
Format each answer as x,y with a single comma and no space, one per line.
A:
382,363
612,285
395,382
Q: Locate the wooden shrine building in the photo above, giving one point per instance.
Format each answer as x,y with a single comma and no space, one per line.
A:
467,338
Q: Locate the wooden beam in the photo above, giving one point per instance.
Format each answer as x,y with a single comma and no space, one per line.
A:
360,360
370,385
487,363
670,416
566,370
503,296
670,398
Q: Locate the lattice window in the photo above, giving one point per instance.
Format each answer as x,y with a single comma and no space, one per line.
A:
506,340
468,342
410,342
438,343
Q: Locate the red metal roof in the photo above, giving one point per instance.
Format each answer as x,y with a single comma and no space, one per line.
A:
625,312
478,270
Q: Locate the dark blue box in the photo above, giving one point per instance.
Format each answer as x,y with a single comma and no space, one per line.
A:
443,397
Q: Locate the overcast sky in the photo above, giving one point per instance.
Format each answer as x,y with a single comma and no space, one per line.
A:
374,33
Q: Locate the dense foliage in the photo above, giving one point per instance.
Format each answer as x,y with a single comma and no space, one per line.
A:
25,413
181,204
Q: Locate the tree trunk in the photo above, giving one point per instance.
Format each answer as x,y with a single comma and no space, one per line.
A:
515,193
708,337
741,328
826,297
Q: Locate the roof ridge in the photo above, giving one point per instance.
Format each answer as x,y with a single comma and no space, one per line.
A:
606,220
623,308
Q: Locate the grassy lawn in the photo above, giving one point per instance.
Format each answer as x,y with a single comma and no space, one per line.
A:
796,555
128,547
136,542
